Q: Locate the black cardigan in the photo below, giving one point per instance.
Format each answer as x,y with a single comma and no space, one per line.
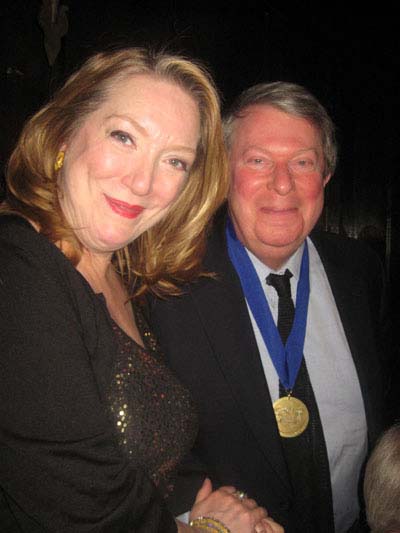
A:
60,466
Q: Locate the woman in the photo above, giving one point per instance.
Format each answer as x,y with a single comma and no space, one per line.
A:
111,184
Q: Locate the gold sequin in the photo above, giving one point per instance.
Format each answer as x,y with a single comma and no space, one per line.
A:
154,417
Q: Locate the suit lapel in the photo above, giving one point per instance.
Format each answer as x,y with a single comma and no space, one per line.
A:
227,323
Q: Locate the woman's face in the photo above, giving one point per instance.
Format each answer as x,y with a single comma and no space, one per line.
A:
128,162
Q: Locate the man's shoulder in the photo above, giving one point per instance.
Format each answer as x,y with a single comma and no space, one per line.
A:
347,254
332,243
325,238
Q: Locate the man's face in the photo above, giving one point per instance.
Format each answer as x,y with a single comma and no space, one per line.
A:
277,183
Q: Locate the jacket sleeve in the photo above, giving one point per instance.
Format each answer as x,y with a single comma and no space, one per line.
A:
60,469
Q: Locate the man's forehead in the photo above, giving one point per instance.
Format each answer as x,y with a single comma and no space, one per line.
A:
269,112
266,119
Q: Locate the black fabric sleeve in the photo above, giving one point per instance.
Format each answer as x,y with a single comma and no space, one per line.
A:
60,468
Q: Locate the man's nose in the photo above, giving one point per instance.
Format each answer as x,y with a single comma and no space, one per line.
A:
281,179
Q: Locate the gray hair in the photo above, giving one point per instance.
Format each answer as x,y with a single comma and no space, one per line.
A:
382,483
294,100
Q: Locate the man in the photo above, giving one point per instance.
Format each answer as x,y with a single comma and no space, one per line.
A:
280,346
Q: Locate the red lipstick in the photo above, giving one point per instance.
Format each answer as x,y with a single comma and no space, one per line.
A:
124,209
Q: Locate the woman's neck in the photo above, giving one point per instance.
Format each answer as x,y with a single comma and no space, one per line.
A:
102,277
98,271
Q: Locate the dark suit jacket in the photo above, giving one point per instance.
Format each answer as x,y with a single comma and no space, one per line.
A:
209,341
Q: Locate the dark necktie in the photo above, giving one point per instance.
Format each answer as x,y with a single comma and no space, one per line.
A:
281,283
305,454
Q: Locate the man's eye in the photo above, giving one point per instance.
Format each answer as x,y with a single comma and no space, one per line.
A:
122,137
254,161
259,163
303,164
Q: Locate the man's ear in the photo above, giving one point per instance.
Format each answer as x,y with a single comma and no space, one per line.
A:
326,179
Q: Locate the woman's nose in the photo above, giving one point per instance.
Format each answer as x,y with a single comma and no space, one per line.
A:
139,178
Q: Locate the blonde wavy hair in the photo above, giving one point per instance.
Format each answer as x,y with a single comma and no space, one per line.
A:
168,253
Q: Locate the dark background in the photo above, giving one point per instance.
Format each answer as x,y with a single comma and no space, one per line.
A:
347,56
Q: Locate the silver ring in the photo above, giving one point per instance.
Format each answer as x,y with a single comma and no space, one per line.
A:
240,494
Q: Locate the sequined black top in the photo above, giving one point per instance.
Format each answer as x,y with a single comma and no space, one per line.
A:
61,466
152,412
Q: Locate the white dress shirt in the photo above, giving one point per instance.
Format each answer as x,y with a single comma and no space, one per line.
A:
333,377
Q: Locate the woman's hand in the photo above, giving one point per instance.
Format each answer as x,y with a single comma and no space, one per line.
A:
238,515
268,525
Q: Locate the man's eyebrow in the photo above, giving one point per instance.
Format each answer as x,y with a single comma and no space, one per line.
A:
260,148
311,149
255,147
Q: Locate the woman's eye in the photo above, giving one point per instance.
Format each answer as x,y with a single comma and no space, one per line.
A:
122,137
178,163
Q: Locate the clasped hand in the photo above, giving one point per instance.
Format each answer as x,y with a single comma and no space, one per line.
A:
239,515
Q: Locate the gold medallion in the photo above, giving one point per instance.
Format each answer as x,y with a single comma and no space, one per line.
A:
291,415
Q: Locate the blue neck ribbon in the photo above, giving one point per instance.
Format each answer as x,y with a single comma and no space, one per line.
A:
286,359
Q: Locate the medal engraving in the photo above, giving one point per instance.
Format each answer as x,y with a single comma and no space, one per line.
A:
291,415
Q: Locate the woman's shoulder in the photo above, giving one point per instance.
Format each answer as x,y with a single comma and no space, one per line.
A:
18,237
25,251
36,277
46,302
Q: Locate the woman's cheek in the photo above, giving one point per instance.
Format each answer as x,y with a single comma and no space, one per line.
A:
105,163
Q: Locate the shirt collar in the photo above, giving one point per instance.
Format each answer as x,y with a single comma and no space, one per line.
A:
293,264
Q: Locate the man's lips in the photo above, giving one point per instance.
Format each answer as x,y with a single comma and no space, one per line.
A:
123,208
279,216
278,210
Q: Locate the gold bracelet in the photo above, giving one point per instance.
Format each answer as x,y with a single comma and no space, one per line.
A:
209,524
